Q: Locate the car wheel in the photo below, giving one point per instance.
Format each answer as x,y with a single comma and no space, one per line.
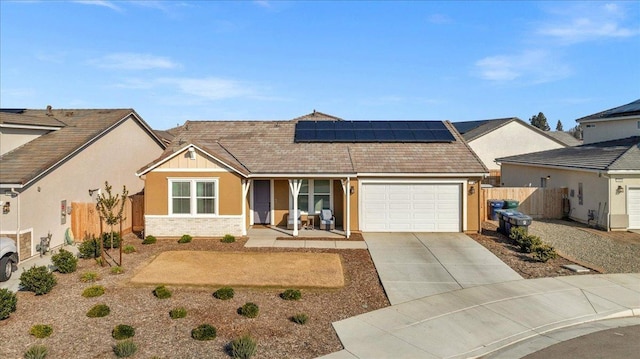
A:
6,266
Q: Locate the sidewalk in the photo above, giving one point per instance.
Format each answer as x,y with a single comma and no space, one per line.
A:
476,321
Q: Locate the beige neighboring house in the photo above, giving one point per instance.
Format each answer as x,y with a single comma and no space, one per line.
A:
602,175
503,137
50,158
221,177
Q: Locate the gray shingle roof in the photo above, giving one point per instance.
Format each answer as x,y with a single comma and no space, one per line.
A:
565,137
630,109
268,147
78,128
622,154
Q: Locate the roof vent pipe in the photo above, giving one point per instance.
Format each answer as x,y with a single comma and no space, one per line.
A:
49,110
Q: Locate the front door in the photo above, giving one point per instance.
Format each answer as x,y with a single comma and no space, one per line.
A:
261,202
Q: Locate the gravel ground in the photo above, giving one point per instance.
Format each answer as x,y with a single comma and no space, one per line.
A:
76,336
574,242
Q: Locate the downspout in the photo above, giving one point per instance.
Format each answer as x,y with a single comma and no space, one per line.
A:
348,194
17,194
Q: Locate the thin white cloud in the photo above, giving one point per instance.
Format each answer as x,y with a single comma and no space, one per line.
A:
212,88
439,19
103,3
529,67
263,3
587,23
133,61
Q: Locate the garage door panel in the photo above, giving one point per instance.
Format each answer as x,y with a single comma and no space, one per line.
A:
633,207
400,207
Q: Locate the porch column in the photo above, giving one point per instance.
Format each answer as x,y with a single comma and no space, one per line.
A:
294,186
346,188
246,184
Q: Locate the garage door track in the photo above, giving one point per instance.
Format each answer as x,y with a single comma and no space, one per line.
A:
416,265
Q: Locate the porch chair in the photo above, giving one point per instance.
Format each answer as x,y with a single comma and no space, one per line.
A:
290,219
327,220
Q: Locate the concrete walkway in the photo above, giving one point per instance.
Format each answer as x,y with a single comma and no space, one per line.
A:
475,321
416,265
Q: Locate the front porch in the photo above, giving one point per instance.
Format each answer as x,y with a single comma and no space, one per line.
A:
267,236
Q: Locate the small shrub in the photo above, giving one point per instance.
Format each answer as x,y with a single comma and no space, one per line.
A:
203,332
529,243
300,318
123,331
41,331
36,352
249,310
149,240
125,348
65,261
98,311
161,292
228,239
185,239
544,252
517,233
38,280
89,277
117,270
93,291
8,303
89,248
291,294
107,240
128,249
243,347
224,293
178,313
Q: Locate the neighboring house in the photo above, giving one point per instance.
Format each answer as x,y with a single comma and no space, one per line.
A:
602,175
503,137
220,177
50,158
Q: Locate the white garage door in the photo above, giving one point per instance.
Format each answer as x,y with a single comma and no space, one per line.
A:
411,207
633,207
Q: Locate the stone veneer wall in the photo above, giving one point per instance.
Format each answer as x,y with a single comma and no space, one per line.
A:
196,227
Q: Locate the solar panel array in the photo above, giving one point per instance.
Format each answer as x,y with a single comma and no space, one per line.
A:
372,131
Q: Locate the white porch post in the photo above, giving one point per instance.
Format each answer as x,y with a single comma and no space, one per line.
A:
246,184
294,186
346,188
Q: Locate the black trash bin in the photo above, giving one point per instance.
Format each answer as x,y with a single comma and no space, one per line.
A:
503,217
520,220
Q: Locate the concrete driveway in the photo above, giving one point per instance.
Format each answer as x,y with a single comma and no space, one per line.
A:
416,265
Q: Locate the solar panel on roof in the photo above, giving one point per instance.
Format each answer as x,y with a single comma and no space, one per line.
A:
384,135
372,131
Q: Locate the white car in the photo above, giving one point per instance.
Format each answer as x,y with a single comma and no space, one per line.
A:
8,258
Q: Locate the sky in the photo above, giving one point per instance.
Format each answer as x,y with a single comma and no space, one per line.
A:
174,61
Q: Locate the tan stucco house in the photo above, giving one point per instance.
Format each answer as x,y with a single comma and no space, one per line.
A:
51,158
602,175
503,137
220,177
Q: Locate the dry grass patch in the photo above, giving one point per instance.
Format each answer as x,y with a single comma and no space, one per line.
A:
247,269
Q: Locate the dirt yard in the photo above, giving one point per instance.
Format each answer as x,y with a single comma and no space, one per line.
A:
77,336
250,269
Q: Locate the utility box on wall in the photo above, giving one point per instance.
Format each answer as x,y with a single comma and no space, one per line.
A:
63,212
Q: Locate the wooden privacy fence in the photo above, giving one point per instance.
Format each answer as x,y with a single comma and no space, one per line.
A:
535,202
85,220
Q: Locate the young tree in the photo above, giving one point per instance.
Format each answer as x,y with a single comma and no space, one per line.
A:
540,121
559,126
111,210
576,132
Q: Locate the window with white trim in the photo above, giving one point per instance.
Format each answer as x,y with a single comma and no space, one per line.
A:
314,196
193,196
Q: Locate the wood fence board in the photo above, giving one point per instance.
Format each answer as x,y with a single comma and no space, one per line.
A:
85,221
533,201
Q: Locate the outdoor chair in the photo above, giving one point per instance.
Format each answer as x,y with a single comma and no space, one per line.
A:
327,220
291,218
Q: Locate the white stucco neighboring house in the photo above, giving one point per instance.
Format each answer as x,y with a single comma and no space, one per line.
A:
50,158
602,175
503,137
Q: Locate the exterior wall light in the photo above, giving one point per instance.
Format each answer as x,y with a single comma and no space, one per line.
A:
619,190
